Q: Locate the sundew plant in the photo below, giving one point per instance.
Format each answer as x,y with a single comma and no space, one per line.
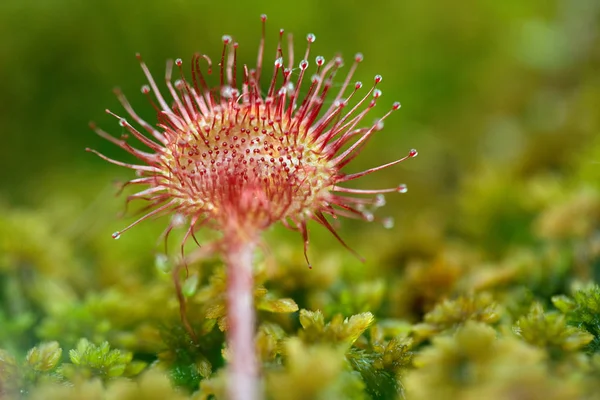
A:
239,158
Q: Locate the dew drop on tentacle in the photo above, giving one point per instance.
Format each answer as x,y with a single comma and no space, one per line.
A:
402,188
161,262
116,235
388,222
178,220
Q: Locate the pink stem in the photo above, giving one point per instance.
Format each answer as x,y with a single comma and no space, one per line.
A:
243,367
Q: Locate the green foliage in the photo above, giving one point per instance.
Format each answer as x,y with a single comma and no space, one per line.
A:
188,363
474,363
583,311
453,313
550,331
382,363
43,372
329,372
45,357
90,360
10,381
340,331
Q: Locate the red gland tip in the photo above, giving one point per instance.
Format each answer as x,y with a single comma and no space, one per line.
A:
413,153
116,235
339,103
179,62
358,57
310,38
378,78
263,17
358,85
145,89
396,105
402,188
377,93
226,39
320,60
303,65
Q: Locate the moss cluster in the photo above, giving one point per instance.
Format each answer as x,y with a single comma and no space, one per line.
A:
456,323
473,317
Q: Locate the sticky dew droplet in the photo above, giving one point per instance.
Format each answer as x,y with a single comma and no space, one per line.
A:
388,222
161,262
379,201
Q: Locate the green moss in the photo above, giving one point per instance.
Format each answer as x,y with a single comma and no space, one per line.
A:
10,379
187,362
474,363
339,331
583,311
89,360
382,363
453,313
330,374
551,332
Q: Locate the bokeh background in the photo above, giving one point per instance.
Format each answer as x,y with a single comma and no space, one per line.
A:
511,85
501,99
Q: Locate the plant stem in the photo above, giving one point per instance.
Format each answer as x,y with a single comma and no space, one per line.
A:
243,367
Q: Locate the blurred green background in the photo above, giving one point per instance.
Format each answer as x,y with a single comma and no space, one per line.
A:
490,90
512,84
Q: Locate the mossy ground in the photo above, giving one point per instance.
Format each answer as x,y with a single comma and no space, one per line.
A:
463,320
